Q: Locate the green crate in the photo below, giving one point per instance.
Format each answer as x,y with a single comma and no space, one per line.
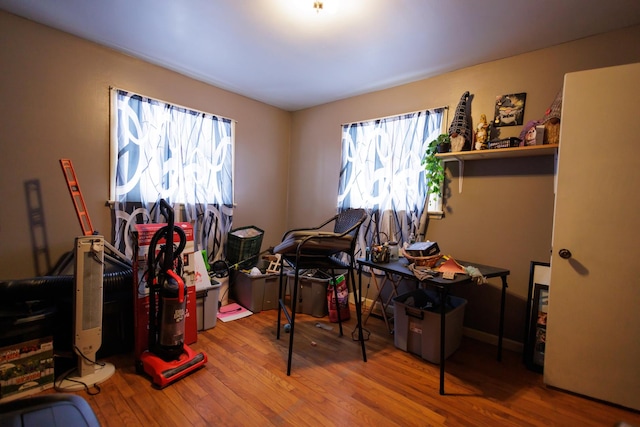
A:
243,247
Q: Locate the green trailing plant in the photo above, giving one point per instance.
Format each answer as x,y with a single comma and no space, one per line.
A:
433,166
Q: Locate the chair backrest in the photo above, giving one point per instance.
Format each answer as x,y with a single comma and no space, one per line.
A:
348,219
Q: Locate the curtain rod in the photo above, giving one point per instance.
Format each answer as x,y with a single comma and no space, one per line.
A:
112,88
444,107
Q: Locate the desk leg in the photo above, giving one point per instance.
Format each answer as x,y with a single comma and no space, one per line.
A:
383,305
501,327
443,308
292,318
375,282
358,301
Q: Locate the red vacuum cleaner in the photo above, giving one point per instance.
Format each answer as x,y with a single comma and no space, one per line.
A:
167,358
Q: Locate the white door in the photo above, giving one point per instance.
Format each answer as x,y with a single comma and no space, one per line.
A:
593,329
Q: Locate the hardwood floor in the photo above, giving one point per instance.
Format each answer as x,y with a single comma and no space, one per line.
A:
245,384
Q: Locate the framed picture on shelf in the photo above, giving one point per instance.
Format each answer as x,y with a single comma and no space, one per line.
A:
510,109
539,275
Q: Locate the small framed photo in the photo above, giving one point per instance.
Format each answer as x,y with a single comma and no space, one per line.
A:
510,110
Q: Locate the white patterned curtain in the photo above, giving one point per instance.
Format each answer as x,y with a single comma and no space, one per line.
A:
382,172
163,151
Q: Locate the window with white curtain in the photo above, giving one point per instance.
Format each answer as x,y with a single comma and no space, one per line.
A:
165,151
382,172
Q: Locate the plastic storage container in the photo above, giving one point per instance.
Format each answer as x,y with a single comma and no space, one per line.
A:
243,247
256,292
312,293
417,324
207,306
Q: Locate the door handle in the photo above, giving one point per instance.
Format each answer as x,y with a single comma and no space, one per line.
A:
564,253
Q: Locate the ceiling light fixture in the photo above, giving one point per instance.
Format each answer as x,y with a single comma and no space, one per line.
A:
318,6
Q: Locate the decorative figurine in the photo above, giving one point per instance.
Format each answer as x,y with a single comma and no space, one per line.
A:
482,133
551,121
460,131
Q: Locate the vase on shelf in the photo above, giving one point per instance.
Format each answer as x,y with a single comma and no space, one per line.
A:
444,147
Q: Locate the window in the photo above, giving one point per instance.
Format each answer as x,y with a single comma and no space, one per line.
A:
382,172
163,151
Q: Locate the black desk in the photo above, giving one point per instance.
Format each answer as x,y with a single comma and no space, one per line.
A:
399,268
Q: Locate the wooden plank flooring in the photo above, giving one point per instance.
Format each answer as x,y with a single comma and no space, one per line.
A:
245,384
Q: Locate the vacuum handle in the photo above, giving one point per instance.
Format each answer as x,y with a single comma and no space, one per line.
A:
167,211
180,282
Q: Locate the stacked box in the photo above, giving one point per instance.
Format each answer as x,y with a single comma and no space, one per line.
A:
256,292
142,235
223,293
207,291
312,294
417,324
422,249
26,368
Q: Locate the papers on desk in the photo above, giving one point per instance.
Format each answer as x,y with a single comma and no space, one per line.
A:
448,270
451,266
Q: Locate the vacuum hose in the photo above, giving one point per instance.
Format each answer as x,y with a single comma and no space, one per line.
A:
166,321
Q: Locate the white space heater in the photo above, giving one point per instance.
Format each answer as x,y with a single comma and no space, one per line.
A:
88,300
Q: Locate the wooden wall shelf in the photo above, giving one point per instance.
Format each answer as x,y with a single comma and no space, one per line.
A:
498,153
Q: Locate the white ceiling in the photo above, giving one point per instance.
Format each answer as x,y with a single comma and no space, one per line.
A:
283,53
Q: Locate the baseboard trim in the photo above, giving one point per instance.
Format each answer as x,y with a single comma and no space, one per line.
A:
475,334
488,338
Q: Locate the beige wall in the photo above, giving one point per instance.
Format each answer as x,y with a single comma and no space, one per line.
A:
504,214
54,104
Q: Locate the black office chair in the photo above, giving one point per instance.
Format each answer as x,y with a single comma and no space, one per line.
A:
311,248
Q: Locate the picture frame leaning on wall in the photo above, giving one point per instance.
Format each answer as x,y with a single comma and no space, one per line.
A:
535,322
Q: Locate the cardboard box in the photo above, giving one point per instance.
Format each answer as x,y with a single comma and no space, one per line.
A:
26,368
422,249
256,292
196,274
223,294
417,329
142,236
